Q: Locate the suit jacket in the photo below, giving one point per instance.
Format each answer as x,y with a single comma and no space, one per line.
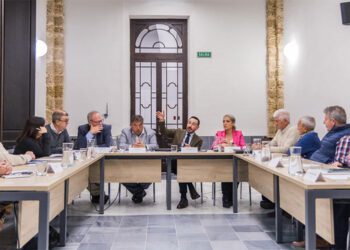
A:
237,138
179,135
103,138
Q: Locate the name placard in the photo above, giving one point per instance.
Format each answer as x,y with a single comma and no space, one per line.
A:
276,163
313,175
54,168
189,150
137,150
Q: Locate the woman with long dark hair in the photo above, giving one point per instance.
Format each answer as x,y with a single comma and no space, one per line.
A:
34,138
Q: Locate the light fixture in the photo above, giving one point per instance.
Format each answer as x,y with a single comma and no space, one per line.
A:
41,48
291,51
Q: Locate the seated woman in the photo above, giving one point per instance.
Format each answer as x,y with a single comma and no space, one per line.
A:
308,141
34,138
228,137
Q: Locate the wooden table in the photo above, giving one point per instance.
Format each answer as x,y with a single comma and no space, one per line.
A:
309,202
50,194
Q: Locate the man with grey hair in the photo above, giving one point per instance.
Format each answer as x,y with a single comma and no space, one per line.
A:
309,141
286,135
101,133
57,131
335,122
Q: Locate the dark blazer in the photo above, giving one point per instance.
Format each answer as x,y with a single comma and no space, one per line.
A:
179,135
103,138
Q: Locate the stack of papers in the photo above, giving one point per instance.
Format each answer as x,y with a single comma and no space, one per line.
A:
19,174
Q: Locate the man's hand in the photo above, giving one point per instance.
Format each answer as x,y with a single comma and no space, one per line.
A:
31,154
42,130
337,164
95,129
138,145
5,168
160,116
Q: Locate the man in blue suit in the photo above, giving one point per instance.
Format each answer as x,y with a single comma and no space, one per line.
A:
95,129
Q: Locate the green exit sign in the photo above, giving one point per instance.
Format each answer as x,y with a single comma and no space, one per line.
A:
206,54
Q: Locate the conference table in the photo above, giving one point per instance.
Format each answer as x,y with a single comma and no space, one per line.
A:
42,198
307,201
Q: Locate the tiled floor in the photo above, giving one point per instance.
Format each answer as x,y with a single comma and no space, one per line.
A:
150,226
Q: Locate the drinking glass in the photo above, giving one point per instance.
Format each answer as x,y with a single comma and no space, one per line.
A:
41,168
83,154
114,144
257,143
173,148
247,149
265,151
68,154
295,165
91,148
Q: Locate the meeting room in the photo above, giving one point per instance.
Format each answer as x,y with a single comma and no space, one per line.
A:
174,124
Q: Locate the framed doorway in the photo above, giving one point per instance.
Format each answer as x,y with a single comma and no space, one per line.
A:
158,70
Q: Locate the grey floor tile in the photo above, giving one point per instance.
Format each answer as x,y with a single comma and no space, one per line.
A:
133,230
129,245
215,236
228,245
192,237
134,221
67,248
75,238
78,230
183,228
161,237
161,230
108,221
81,220
218,229
98,237
124,237
247,228
190,245
94,246
165,245
252,236
161,220
261,244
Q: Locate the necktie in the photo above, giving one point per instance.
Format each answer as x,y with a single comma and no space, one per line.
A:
187,140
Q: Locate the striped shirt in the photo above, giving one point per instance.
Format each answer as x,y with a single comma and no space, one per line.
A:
342,152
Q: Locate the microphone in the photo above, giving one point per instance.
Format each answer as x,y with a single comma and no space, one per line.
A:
105,115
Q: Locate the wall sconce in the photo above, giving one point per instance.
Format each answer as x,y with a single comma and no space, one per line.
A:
40,48
291,51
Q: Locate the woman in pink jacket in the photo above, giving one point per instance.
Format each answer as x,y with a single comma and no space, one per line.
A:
228,137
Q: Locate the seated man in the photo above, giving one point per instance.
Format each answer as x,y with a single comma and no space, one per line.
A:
308,141
57,131
335,122
15,159
342,152
138,136
286,136
94,129
183,138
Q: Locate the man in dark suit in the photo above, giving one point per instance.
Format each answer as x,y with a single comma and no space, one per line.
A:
95,129
183,138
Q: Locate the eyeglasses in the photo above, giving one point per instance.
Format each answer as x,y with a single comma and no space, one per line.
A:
66,121
97,122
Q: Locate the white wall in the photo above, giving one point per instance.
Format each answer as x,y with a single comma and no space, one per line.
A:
232,81
321,75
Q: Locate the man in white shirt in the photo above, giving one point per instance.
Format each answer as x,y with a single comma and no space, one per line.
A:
286,135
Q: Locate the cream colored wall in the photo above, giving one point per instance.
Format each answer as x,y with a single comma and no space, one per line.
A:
232,81
320,77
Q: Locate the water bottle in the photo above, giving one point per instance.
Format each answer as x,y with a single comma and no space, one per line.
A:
295,165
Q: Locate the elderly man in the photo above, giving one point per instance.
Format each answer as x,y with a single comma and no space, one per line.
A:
335,122
101,133
15,159
286,135
308,141
57,131
183,138
138,136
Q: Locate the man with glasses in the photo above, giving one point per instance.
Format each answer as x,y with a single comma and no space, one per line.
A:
57,130
101,133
